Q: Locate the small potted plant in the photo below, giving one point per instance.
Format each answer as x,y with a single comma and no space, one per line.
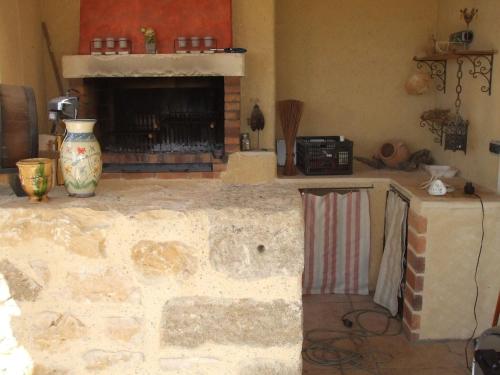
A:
149,39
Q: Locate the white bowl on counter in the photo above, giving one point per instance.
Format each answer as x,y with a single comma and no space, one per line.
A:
440,171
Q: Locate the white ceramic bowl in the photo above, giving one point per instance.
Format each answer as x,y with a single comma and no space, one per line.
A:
440,171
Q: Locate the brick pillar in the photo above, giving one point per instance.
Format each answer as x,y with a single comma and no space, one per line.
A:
232,110
417,243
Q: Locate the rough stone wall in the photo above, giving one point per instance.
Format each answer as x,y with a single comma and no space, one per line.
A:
14,360
202,291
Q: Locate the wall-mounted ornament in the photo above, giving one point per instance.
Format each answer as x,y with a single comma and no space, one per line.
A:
450,129
257,122
468,15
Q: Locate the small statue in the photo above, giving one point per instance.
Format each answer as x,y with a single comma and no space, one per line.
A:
468,16
257,122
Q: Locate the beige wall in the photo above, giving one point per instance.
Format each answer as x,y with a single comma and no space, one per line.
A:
450,261
253,28
348,61
483,112
64,32
21,47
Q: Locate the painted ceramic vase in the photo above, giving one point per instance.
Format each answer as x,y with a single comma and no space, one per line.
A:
35,176
80,158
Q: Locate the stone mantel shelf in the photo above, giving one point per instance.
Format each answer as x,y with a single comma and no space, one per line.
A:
157,65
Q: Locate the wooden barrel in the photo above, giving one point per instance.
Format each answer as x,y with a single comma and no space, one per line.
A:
18,125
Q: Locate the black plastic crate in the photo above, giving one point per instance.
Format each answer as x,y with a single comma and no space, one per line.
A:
324,155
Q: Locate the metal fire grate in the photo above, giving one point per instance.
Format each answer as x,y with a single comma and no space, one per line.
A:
168,132
166,116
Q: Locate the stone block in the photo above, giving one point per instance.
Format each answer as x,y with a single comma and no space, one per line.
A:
42,370
108,285
188,363
417,242
251,245
80,231
90,244
123,328
413,299
163,258
55,329
416,282
193,321
101,360
269,367
22,287
417,222
41,270
411,318
414,261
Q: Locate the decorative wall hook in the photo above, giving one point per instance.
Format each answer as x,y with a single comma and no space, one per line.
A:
468,16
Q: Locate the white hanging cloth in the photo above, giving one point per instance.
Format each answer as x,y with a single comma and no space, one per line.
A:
391,267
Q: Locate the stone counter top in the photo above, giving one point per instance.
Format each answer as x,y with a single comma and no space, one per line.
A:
130,197
407,183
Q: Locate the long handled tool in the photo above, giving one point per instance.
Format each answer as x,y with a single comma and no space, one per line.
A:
229,50
53,59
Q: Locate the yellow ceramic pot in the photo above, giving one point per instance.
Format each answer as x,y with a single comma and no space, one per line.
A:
36,178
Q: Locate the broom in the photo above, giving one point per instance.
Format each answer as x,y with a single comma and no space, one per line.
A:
290,114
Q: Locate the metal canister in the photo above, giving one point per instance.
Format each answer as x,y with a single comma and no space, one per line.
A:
245,142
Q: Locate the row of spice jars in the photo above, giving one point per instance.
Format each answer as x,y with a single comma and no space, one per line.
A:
195,44
110,46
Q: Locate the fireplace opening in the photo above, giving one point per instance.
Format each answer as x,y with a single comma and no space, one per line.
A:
162,124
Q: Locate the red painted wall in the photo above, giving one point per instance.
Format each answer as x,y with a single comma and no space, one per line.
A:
169,18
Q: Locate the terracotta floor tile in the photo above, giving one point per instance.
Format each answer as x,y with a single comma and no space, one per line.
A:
312,298
382,355
425,371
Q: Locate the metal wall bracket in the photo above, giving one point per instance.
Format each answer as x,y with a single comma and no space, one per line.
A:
481,61
482,65
436,69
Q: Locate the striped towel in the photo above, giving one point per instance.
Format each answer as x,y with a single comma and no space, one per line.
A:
337,243
391,267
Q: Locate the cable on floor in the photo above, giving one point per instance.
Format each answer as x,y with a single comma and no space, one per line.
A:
323,347
469,366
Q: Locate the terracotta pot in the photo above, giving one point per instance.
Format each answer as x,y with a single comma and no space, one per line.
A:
35,176
393,153
80,159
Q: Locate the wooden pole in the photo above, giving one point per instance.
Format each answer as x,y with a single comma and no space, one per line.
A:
53,59
497,312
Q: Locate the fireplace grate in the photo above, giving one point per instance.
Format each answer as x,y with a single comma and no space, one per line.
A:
166,132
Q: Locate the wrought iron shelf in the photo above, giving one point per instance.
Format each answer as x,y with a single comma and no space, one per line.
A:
481,61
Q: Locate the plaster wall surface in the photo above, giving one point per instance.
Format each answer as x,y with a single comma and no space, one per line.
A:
21,49
453,244
349,61
483,112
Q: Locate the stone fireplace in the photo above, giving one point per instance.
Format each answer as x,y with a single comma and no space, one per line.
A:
159,114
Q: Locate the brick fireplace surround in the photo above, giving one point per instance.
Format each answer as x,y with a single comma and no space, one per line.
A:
83,70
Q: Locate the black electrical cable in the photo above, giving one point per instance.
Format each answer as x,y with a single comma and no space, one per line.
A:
477,284
324,347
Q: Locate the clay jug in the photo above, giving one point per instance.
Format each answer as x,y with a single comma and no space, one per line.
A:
393,153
